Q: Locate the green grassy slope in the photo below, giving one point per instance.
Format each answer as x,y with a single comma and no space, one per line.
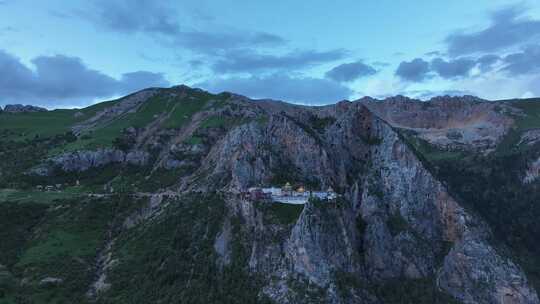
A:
164,260
39,242
522,123
173,109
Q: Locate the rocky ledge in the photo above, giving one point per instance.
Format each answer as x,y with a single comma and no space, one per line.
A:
19,108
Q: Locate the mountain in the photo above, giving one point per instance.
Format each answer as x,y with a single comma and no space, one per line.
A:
437,201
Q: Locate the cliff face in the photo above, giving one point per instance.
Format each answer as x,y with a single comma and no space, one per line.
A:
395,227
19,108
463,123
412,228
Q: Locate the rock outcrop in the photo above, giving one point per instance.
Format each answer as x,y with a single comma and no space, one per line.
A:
79,161
19,108
413,229
456,123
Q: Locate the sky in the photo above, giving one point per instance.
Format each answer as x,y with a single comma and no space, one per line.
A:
64,54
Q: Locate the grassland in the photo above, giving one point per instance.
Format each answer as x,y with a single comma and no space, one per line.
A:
60,242
175,111
531,109
183,112
24,126
522,123
22,196
426,150
43,124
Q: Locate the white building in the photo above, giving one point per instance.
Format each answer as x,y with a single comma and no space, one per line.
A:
274,191
295,200
287,195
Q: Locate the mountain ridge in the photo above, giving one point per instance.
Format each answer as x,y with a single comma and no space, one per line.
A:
404,229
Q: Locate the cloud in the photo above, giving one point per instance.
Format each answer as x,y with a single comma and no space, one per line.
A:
508,28
419,69
350,71
64,77
433,53
135,16
486,62
429,94
250,61
524,62
161,22
16,77
282,87
416,70
58,79
215,42
453,68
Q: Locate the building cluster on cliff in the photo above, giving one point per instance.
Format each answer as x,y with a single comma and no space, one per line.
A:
287,194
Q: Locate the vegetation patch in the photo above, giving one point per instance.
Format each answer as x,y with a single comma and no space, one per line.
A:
425,150
522,123
40,197
188,106
531,109
284,214
17,220
223,122
371,140
23,155
321,123
27,126
174,258
396,224
194,140
161,179
492,187
347,283
61,243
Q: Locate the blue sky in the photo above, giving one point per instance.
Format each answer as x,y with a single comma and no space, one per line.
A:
73,53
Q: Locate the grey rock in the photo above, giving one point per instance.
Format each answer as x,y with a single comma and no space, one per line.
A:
414,228
19,108
79,161
530,137
50,281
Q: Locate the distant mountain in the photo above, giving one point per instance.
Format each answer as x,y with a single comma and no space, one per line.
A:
438,201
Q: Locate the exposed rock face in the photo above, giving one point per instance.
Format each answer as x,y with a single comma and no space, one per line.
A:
396,222
433,218
19,108
79,161
50,281
530,137
414,229
475,273
533,172
458,123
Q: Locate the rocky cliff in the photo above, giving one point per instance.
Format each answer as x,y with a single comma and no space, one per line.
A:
397,234
19,108
412,229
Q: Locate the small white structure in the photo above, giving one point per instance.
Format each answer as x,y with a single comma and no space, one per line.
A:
274,191
294,200
287,195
